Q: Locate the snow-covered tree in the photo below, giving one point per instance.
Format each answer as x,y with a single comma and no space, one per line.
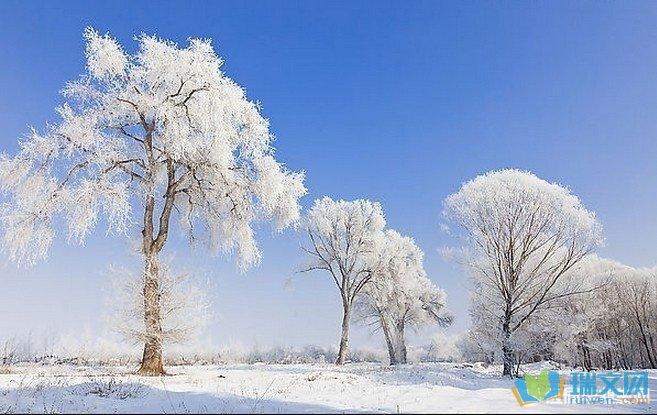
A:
401,295
576,323
610,327
144,137
344,242
638,289
613,327
524,236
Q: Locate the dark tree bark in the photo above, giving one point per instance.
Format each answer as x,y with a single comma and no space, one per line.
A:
507,352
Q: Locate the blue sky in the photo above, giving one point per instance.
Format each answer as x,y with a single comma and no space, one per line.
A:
398,102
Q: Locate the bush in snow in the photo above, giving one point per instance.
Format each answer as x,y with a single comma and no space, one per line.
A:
111,388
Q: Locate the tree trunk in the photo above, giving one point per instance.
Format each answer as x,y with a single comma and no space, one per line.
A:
645,340
507,356
344,338
401,343
389,342
652,343
507,353
588,364
400,352
152,363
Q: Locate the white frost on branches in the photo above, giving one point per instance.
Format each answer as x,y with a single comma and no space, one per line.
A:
401,295
525,237
378,272
105,57
345,237
164,128
344,241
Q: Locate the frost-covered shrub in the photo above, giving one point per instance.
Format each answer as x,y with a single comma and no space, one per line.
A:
111,388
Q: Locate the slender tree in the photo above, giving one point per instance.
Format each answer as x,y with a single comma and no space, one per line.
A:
637,291
401,295
157,133
525,235
344,241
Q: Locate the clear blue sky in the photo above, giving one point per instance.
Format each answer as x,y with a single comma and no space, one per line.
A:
398,102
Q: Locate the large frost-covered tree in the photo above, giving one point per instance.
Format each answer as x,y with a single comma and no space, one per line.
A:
344,241
525,235
144,137
401,295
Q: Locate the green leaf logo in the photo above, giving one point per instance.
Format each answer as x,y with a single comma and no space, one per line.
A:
538,386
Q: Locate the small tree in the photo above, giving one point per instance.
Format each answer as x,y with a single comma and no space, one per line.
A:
143,137
525,235
344,241
401,295
184,305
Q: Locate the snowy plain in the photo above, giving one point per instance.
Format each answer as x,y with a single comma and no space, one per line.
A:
265,388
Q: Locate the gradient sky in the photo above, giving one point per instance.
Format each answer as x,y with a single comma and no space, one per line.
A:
398,102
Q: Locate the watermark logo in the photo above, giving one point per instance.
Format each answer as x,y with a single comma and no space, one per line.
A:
609,388
547,385
585,388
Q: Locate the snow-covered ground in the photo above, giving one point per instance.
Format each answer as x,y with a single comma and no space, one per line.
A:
272,388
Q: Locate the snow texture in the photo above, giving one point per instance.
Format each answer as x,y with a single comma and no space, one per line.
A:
260,388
